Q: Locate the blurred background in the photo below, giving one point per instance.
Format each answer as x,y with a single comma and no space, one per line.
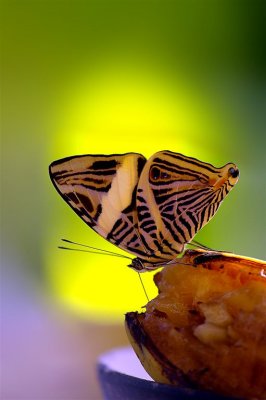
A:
107,76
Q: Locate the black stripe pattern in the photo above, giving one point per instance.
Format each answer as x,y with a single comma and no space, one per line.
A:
152,208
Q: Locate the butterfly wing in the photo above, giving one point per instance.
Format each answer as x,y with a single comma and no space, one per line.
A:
102,191
148,208
176,197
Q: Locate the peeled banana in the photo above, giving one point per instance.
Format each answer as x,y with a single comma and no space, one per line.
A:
206,329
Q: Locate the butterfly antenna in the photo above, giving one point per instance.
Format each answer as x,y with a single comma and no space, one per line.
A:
143,287
91,251
97,250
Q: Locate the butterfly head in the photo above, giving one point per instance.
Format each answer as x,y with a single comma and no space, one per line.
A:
227,176
142,265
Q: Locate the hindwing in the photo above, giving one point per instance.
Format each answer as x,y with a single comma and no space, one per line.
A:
102,191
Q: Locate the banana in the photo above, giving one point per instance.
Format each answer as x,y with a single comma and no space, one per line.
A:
206,329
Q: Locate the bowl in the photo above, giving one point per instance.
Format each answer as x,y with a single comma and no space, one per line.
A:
122,377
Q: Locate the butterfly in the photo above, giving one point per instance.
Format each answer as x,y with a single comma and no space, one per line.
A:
149,208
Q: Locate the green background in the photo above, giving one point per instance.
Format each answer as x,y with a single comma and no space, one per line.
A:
110,77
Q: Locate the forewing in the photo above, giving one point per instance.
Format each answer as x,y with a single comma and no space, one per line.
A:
102,191
177,196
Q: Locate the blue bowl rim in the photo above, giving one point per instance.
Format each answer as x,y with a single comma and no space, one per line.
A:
131,384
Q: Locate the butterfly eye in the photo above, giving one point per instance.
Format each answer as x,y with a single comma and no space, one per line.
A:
234,172
155,173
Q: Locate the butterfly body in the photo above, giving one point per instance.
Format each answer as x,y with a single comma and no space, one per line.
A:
150,208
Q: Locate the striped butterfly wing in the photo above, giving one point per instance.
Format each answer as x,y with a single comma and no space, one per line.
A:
176,197
102,191
148,208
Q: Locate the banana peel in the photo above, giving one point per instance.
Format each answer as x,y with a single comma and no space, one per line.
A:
206,329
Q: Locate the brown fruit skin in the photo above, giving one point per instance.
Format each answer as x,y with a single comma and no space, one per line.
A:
154,362
207,327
